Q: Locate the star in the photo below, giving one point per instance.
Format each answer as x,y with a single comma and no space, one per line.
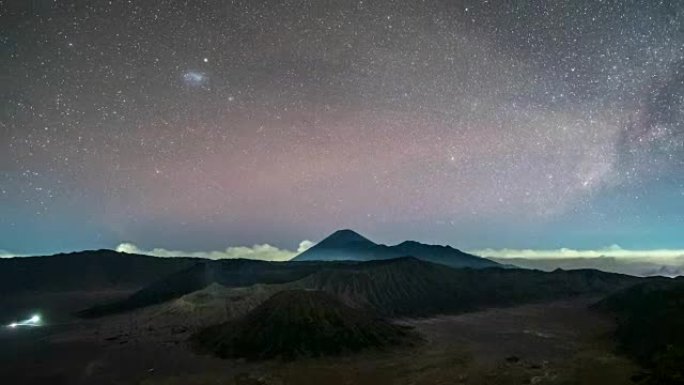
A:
291,125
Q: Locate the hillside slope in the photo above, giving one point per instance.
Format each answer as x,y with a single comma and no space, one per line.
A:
228,273
650,328
300,323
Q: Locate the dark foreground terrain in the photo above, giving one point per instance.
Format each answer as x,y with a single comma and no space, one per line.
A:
561,342
650,328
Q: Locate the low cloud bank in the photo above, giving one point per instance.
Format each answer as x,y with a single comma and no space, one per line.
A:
263,252
7,254
665,262
614,251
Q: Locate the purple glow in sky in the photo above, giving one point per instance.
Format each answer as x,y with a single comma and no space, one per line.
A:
483,124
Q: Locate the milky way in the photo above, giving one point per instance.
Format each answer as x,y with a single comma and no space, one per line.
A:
205,124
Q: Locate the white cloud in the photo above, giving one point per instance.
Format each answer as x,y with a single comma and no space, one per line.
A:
614,251
263,252
7,254
666,262
304,246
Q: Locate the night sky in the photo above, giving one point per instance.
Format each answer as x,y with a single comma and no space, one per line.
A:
199,125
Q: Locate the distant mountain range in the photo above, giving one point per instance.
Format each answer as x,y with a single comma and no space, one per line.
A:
351,246
107,269
400,287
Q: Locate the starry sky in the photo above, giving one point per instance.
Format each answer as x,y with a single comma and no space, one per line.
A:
200,125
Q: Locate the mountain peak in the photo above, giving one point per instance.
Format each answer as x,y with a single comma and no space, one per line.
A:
341,245
344,236
410,243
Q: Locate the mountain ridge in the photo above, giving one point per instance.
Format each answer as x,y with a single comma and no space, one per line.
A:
349,245
86,270
400,287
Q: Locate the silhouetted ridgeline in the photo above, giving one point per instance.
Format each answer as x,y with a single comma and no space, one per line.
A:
86,270
106,269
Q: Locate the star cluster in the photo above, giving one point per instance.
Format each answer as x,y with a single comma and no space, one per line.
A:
209,123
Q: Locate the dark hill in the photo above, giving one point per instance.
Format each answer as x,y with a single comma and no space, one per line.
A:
86,270
228,273
299,323
650,319
349,245
411,287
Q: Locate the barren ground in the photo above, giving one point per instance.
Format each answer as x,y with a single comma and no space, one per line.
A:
555,343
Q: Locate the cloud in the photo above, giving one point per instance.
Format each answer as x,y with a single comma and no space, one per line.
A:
7,254
263,252
613,251
304,246
665,262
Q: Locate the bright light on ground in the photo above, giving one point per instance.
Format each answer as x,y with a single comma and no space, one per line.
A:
35,320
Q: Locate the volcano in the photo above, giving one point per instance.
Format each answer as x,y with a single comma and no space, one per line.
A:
301,323
350,245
